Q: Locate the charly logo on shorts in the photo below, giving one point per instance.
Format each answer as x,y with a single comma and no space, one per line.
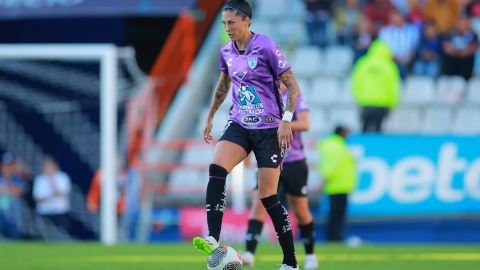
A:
226,126
252,62
251,119
247,95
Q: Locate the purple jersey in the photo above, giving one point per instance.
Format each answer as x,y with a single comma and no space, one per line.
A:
295,152
254,74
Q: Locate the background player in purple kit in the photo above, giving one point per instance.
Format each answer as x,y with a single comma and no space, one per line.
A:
293,180
254,65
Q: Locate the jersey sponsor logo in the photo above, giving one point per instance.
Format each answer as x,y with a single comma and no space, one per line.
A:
229,62
247,95
240,74
269,120
251,109
252,62
251,119
282,63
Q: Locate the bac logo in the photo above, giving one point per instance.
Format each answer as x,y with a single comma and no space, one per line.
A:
282,63
251,119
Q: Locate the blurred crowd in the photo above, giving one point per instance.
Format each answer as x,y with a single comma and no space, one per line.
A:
427,37
48,193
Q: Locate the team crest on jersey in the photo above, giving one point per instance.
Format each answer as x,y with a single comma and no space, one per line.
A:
247,95
252,62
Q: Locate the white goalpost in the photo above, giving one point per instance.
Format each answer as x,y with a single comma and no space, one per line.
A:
106,54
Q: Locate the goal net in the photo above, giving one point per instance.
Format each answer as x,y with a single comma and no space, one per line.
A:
62,101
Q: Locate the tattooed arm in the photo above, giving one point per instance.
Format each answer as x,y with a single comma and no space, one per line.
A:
284,132
221,92
288,79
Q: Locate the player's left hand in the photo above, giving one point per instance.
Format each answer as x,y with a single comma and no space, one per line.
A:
284,134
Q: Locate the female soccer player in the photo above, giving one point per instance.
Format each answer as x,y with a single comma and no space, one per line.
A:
258,123
293,180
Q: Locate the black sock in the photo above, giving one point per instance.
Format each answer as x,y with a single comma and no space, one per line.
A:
283,227
216,199
308,237
254,231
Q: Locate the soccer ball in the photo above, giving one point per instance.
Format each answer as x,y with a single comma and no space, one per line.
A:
224,258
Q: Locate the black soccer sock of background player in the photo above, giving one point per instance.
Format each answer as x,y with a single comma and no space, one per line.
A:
283,227
308,237
253,234
216,199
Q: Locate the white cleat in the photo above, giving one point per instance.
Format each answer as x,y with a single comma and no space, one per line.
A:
248,259
311,262
286,267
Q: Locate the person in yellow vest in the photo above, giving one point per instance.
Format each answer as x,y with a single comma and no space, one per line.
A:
375,85
337,166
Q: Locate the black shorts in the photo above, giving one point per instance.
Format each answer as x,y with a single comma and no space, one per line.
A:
263,142
293,178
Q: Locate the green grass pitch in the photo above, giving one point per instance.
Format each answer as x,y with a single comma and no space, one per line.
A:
179,256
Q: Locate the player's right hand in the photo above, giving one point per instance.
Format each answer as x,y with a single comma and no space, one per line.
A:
207,129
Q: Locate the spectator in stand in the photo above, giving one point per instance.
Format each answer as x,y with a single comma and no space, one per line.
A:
375,85
23,172
415,12
51,191
442,13
94,193
402,39
347,17
428,53
402,6
318,22
12,187
459,48
378,11
363,38
473,9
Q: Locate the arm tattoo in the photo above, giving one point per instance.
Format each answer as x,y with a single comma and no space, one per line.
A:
288,79
221,91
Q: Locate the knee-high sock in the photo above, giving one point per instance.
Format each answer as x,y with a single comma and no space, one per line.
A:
254,231
308,237
283,227
216,199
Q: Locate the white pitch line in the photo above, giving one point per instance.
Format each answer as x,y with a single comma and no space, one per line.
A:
273,258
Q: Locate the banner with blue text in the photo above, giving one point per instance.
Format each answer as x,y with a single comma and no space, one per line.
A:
416,175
